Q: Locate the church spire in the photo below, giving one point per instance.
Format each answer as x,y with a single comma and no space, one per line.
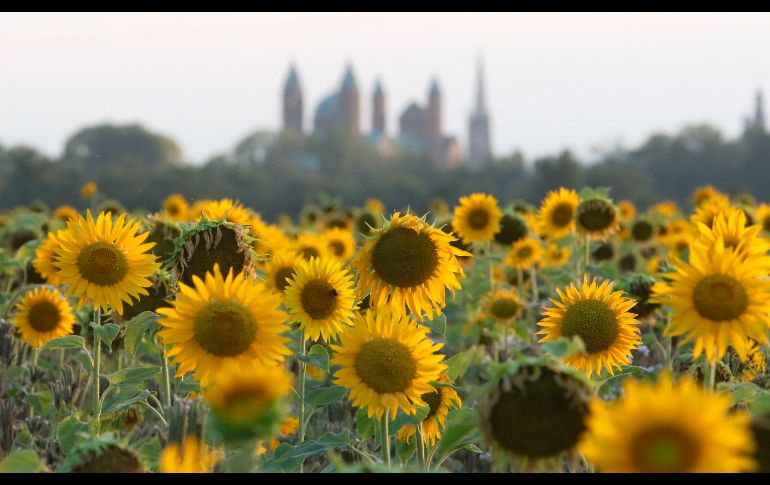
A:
481,101
759,113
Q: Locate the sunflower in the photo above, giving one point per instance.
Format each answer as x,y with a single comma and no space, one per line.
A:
502,304
597,217
337,220
214,210
477,218
753,365
42,315
643,230
639,287
310,246
709,209
717,299
280,269
763,217
666,208
601,318
44,262
524,253
387,361
64,213
408,262
193,456
310,216
105,261
729,225
555,256
703,194
175,208
667,427
438,207
223,322
537,413
557,213
268,238
375,205
626,210
340,243
366,220
88,190
320,297
440,402
248,394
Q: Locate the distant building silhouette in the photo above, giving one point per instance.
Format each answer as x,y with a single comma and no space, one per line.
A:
378,109
756,122
292,101
479,144
420,131
340,110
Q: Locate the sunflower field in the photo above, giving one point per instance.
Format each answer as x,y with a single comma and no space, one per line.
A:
580,335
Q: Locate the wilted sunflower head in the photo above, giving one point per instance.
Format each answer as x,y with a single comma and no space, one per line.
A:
366,220
537,413
604,252
643,230
163,234
512,228
156,298
639,287
102,455
597,217
209,243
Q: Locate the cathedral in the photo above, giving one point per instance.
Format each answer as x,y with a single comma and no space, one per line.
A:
419,128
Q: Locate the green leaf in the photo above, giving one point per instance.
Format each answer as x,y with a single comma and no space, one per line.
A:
457,365
25,461
742,391
132,375
563,347
760,405
460,429
325,396
136,328
625,370
317,356
310,448
68,342
150,451
41,402
365,425
68,433
118,402
106,332
437,325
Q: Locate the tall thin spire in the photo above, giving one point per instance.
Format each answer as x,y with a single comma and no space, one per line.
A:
759,113
481,98
479,138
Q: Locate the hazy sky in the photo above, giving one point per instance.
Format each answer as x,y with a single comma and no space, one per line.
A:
553,80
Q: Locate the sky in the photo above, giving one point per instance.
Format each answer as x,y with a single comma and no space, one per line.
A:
583,81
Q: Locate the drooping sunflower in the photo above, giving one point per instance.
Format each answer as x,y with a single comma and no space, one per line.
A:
309,246
193,456
643,230
502,305
42,315
281,268
639,287
538,413
512,228
321,297
730,226
601,317
597,217
105,261
44,258
477,218
667,427
156,298
221,323
440,402
340,243
387,361
717,300
175,208
408,262
524,253
557,213
214,210
366,220
207,243
64,213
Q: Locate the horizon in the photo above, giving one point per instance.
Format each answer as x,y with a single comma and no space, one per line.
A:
140,68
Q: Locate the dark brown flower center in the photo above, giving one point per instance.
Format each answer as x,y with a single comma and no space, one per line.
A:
318,299
595,323
720,298
664,449
224,328
102,263
385,365
404,258
44,316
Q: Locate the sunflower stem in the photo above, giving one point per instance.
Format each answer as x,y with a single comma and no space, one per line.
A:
166,377
301,405
385,440
533,277
587,257
97,361
709,375
420,447
491,266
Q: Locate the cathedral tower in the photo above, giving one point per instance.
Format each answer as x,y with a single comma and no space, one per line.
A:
479,149
292,101
378,110
349,105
